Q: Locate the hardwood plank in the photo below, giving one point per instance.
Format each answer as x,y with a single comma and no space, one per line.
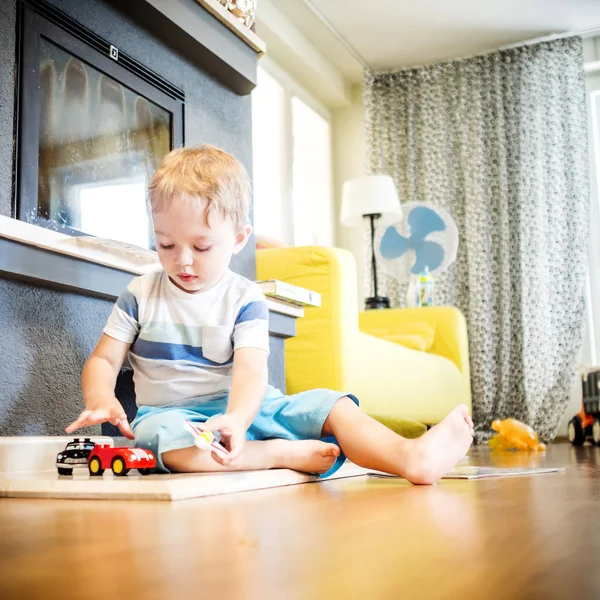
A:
536,537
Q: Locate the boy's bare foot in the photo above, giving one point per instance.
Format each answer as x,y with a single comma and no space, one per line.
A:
432,455
309,456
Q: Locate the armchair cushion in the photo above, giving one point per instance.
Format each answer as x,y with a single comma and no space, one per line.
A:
417,336
450,341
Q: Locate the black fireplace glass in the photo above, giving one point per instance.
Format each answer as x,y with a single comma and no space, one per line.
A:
100,142
90,139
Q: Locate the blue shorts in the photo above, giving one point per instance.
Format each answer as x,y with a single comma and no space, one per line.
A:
297,417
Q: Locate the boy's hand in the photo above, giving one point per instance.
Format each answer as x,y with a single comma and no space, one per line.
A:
232,428
112,412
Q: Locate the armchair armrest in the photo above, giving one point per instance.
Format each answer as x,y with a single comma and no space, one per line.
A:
326,330
450,341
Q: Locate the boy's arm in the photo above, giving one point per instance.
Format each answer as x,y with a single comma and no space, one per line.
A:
248,383
248,387
98,381
250,373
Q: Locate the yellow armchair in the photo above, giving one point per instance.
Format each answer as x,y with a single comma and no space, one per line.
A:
334,348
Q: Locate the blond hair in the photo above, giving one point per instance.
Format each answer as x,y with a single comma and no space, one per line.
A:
202,173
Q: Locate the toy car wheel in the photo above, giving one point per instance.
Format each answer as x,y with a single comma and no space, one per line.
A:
118,467
575,431
62,471
95,466
146,471
596,432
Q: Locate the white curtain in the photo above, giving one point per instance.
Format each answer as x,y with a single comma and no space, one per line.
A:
501,142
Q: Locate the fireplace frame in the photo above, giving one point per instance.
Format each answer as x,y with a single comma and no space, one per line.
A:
36,20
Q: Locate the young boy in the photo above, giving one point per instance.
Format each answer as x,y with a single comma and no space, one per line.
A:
197,338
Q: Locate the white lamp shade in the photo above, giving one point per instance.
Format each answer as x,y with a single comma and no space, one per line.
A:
373,194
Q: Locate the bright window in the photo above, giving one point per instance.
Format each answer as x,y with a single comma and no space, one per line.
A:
115,210
312,185
271,192
293,198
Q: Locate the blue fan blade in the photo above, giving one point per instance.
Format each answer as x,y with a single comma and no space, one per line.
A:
393,245
423,221
429,254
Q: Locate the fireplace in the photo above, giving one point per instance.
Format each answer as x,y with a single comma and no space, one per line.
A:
93,125
53,305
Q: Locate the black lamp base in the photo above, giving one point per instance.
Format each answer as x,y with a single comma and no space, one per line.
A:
377,302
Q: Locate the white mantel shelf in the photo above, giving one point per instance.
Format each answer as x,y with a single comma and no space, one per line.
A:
137,263
108,272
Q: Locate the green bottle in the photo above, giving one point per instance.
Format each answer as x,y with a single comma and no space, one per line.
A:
426,289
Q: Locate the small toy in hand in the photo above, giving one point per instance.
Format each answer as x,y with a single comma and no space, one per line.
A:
514,435
206,439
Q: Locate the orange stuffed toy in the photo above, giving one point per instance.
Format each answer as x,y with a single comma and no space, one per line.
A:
514,435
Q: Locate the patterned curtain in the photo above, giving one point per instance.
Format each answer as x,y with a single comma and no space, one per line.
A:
501,142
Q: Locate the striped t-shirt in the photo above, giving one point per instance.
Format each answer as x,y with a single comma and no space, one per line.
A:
182,344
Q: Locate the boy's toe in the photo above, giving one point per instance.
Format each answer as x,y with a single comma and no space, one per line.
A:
332,450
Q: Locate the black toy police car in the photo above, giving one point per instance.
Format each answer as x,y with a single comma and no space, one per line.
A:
74,456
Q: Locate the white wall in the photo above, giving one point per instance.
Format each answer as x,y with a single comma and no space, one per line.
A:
293,57
348,133
591,49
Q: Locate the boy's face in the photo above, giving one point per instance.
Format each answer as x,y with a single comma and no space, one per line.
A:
194,253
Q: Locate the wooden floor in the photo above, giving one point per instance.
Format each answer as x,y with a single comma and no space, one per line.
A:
527,537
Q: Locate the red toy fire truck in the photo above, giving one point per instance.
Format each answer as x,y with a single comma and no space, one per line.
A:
586,423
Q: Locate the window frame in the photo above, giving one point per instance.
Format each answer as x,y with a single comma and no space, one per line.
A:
592,338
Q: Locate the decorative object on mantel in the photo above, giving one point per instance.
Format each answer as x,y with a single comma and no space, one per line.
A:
370,197
222,10
244,10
